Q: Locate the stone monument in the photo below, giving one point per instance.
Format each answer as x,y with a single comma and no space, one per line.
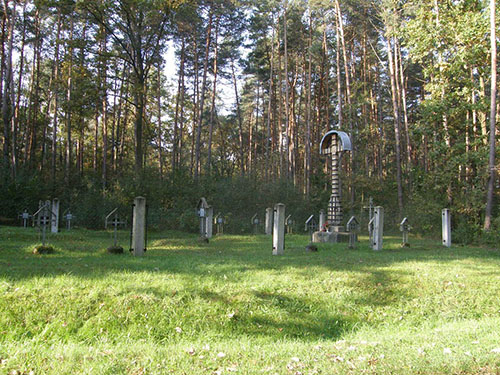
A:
54,226
269,221
334,143
279,229
378,228
139,227
446,224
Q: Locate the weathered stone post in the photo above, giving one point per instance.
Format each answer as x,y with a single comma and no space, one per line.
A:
139,226
54,227
446,227
210,221
378,228
269,221
322,219
279,229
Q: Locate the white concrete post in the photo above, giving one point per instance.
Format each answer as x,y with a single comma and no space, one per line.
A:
378,228
446,227
322,219
269,221
54,227
139,226
210,221
279,229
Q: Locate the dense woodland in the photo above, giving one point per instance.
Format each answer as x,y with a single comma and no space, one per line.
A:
92,112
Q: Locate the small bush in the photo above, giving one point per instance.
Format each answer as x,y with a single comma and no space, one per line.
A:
115,250
43,249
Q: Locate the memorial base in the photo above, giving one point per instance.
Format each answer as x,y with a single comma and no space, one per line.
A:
331,237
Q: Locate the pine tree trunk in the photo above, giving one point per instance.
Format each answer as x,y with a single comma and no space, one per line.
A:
491,163
202,97
396,125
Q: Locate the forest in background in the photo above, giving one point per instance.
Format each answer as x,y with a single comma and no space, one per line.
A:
90,116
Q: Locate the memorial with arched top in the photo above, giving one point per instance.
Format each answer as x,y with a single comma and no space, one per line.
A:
334,143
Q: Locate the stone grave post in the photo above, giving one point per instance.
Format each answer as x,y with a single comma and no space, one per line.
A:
219,220
210,221
289,224
405,227
255,222
322,220
352,227
139,226
378,228
279,229
446,227
269,221
55,216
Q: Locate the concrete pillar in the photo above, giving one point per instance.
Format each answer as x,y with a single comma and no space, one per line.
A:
139,226
269,221
279,229
54,227
210,221
446,227
378,228
322,219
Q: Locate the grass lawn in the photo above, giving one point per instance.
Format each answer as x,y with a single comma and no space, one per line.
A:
230,307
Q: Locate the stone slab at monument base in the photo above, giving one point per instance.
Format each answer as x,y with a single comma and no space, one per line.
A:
332,237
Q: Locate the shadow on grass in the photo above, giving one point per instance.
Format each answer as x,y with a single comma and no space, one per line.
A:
83,255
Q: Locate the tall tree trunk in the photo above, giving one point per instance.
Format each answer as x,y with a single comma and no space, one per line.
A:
55,92
8,101
202,97
20,80
104,106
240,120
307,157
178,106
396,125
491,164
159,128
69,87
287,95
214,94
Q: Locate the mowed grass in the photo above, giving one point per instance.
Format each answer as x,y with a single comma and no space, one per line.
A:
230,307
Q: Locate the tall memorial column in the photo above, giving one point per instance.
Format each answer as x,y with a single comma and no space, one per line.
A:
333,144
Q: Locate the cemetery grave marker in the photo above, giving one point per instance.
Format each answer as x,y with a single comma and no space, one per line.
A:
219,221
269,221
334,143
25,216
139,227
378,228
446,227
279,229
311,226
255,221
405,227
43,219
116,221
55,216
68,216
352,228
289,224
205,213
